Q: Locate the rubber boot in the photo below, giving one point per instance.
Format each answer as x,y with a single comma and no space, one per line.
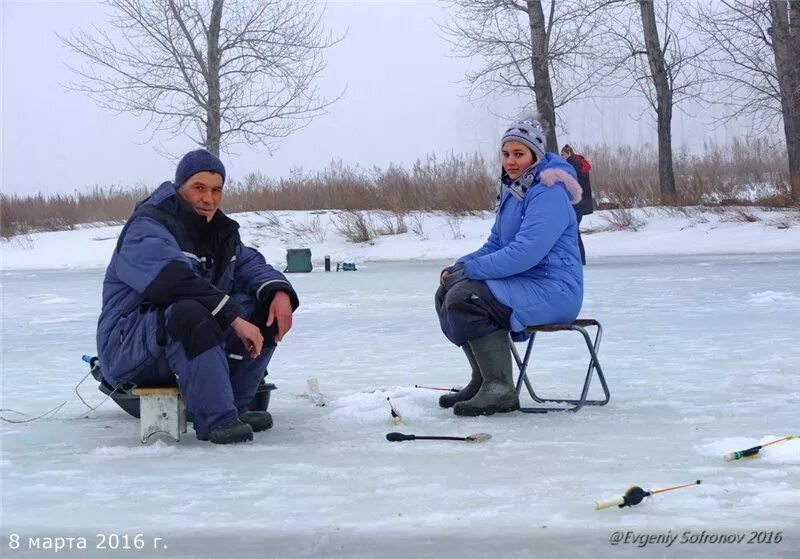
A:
258,420
232,432
449,400
497,393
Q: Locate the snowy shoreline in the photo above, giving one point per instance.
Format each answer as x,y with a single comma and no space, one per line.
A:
660,232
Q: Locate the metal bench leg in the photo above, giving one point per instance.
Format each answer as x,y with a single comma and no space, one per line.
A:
522,365
594,365
162,414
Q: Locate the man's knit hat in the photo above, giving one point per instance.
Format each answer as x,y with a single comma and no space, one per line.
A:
195,162
529,132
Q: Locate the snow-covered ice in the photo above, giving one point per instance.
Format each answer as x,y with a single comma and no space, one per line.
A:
701,354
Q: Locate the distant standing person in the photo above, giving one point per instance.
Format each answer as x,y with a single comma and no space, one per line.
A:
586,205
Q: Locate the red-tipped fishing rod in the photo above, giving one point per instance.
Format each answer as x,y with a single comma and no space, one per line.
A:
753,452
635,495
476,438
453,389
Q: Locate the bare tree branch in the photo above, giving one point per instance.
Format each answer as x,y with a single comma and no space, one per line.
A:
755,61
224,71
547,49
653,52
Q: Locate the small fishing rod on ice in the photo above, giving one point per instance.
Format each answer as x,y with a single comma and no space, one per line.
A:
753,451
635,495
452,389
396,417
476,438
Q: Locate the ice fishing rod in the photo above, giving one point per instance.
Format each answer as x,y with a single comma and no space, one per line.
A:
635,495
476,438
396,417
753,452
453,389
54,411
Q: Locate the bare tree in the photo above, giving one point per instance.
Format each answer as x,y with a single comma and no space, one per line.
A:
544,48
755,53
223,71
653,51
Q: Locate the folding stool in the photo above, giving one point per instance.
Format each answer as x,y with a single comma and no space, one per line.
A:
579,325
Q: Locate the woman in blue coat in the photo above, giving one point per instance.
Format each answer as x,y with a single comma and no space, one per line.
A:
527,273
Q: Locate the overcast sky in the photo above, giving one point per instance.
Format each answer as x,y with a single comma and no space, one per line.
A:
404,99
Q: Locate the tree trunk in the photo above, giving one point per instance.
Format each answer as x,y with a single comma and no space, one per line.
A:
540,64
666,173
794,153
213,109
785,35
658,71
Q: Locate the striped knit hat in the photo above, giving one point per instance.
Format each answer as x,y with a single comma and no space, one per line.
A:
529,132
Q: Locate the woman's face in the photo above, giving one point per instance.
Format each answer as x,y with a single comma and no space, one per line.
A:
516,158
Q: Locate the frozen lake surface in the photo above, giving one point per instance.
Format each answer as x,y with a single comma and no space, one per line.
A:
701,355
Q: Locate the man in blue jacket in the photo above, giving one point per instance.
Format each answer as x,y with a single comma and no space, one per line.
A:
185,300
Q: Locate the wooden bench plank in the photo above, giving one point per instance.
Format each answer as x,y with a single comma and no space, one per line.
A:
156,391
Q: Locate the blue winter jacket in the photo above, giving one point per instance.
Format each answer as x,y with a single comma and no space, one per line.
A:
531,260
165,253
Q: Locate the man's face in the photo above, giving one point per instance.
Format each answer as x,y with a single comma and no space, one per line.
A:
203,192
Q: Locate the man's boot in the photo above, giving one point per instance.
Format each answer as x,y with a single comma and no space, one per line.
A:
449,400
232,432
497,393
258,420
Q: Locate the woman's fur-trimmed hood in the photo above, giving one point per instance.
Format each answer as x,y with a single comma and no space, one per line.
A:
549,177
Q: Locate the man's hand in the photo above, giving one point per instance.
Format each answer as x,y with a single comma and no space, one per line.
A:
281,310
249,334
